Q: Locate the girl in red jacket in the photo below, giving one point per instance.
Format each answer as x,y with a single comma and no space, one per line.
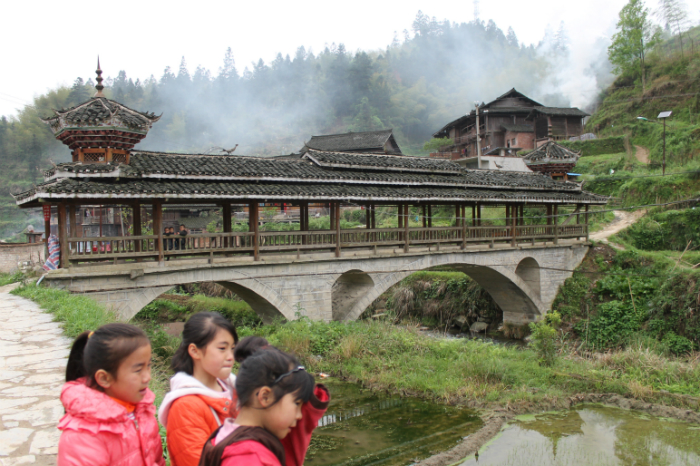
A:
202,391
110,416
297,442
272,388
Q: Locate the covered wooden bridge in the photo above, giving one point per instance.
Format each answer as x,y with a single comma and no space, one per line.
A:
107,171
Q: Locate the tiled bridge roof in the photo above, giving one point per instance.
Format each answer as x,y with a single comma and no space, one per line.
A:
319,175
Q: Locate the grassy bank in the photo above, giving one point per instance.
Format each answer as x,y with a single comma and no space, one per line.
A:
7,278
400,359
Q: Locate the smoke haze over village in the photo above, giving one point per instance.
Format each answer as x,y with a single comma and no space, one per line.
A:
310,68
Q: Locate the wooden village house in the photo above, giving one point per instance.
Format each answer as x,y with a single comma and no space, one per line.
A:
507,124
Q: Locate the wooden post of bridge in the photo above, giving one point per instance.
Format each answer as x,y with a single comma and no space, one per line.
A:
136,218
425,218
47,229
406,237
226,218
464,226
400,215
304,220
478,214
555,221
332,213
254,227
62,236
578,219
585,218
336,209
514,225
158,229
549,220
430,216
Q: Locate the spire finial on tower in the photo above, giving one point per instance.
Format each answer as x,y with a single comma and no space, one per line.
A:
99,85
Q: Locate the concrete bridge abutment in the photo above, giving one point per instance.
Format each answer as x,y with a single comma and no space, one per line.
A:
523,281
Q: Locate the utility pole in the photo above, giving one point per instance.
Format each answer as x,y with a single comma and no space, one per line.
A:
663,163
663,116
478,137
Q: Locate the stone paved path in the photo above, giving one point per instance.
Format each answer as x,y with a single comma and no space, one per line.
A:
33,355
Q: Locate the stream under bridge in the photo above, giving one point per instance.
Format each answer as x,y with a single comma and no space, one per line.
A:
522,280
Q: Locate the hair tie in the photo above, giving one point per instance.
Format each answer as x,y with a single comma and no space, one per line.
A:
91,334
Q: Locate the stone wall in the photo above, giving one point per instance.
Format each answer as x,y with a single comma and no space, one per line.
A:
13,253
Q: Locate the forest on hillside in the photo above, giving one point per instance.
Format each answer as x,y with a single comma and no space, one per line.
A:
419,82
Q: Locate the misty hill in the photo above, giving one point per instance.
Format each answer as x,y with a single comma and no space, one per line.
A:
672,84
415,85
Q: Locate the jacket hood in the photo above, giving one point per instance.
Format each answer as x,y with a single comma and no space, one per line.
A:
183,384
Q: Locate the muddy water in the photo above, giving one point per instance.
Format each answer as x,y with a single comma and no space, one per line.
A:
592,435
363,428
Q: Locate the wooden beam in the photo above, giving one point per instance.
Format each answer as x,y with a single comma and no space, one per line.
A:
474,214
374,216
253,225
226,219
47,232
514,225
430,216
464,226
586,220
425,218
332,212
400,215
62,236
136,226
368,216
158,230
303,219
336,208
406,237
555,211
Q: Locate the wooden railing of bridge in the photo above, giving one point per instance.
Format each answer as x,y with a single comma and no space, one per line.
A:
154,247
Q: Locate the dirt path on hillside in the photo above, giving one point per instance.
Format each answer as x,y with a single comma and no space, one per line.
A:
622,220
642,154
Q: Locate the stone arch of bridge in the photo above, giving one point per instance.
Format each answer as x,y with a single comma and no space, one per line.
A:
516,298
265,301
528,270
350,287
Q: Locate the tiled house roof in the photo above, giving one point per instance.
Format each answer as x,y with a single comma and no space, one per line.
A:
557,111
348,142
551,152
98,111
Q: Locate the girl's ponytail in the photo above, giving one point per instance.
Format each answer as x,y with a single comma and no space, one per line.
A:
75,368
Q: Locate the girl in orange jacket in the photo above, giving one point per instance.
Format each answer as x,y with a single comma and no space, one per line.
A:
202,394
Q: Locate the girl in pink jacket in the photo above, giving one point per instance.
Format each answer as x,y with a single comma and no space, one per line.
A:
110,415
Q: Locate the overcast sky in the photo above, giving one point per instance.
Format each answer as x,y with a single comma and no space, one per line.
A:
50,43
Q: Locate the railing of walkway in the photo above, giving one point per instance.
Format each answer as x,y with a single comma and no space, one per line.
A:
227,244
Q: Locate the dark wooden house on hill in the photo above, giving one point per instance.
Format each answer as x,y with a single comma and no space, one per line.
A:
147,184
511,121
377,142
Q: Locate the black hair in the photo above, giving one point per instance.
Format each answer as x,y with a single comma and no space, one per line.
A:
264,367
249,345
200,329
105,349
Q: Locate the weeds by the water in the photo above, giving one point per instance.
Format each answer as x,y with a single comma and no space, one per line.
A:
401,359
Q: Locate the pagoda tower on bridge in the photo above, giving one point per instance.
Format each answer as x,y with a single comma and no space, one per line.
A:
100,130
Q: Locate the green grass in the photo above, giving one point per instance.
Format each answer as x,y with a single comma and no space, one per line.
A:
387,357
7,278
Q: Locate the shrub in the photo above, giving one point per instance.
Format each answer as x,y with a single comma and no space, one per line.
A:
677,344
544,335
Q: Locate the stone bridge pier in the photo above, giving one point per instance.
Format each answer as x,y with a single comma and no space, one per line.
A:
523,281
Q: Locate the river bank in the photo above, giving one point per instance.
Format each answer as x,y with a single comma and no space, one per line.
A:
499,381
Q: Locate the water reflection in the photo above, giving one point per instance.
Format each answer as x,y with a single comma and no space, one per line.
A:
362,428
594,435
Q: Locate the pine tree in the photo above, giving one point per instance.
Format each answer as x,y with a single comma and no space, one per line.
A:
78,93
512,38
634,38
675,17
